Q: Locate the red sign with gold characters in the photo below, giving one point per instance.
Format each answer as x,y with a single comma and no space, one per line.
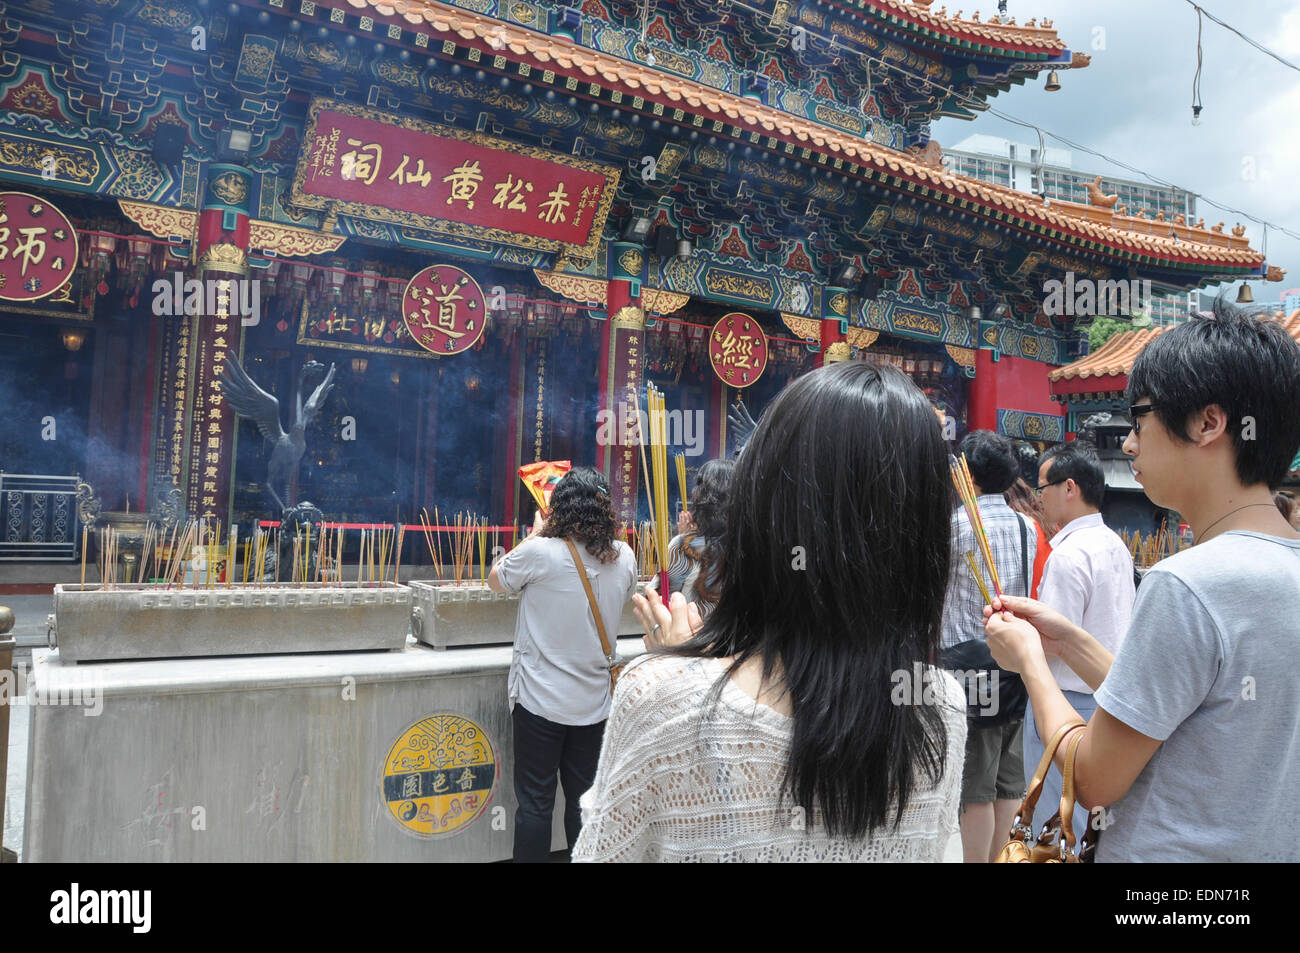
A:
738,349
451,181
444,309
38,247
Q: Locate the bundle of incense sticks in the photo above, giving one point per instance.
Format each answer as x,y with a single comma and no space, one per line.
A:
966,490
147,548
462,547
657,478
680,460
645,550
482,533
431,540
979,580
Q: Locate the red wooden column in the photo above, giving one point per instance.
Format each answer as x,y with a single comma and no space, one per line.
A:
622,353
218,331
982,413
834,325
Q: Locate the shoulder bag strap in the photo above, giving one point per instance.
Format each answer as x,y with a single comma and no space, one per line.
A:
1028,563
591,600
1067,794
1040,773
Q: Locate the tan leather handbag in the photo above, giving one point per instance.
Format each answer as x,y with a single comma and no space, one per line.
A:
1055,845
611,659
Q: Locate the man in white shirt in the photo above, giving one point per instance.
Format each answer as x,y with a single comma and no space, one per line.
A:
1088,579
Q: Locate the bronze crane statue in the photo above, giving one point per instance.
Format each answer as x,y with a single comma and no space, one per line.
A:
249,400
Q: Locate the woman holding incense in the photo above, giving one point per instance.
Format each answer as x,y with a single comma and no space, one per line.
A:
695,553
803,721
558,685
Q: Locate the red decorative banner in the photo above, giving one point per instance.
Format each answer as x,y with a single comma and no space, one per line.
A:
738,349
444,309
38,247
458,183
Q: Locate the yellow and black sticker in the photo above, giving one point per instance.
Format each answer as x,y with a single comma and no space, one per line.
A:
439,775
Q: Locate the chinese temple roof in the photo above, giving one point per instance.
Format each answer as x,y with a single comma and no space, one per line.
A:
1106,370
970,33
1095,228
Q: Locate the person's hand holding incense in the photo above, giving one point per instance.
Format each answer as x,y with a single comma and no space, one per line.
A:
666,626
538,522
1058,637
1013,641
685,524
1055,629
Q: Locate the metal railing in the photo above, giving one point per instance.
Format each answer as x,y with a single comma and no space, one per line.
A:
38,517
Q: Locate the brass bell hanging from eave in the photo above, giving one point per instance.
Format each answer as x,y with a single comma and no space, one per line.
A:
1245,295
1053,82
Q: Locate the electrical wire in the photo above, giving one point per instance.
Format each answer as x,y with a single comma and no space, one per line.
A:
1201,11
1200,60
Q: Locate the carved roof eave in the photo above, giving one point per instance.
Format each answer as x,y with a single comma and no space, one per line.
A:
1215,255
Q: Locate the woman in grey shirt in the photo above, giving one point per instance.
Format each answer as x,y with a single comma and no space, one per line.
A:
559,678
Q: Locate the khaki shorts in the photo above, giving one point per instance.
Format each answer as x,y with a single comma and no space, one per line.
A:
995,764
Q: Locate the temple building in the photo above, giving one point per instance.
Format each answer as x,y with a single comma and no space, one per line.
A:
496,220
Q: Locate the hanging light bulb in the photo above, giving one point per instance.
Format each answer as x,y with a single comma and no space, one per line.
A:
1196,115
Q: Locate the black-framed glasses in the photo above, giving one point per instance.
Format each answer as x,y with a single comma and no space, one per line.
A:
1039,489
1137,410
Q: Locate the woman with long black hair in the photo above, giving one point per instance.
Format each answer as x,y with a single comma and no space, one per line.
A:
803,721
695,554
559,677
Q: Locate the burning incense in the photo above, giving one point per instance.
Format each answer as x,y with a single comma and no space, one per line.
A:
85,535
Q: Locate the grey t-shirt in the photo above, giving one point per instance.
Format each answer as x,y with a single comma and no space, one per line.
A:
1211,667
558,670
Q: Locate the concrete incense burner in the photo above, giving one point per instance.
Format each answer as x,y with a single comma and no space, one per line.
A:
91,623
445,614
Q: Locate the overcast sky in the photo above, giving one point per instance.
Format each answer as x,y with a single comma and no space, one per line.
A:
1134,102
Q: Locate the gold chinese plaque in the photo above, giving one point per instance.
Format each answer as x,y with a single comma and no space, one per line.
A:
444,309
38,248
453,182
439,775
738,349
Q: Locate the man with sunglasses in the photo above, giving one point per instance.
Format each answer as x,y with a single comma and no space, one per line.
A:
1194,748
1088,579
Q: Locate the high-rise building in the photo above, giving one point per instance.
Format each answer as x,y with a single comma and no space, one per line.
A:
1017,165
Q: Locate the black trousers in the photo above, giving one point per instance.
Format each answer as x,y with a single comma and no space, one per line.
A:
542,748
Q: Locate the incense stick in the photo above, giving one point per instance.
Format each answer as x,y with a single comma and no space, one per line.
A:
680,460
979,581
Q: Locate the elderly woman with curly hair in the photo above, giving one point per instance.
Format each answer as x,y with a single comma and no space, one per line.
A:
559,679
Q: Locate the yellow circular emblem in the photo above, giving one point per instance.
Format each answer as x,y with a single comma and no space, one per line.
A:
439,775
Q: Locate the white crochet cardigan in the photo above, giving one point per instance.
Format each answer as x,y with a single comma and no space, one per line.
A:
680,780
